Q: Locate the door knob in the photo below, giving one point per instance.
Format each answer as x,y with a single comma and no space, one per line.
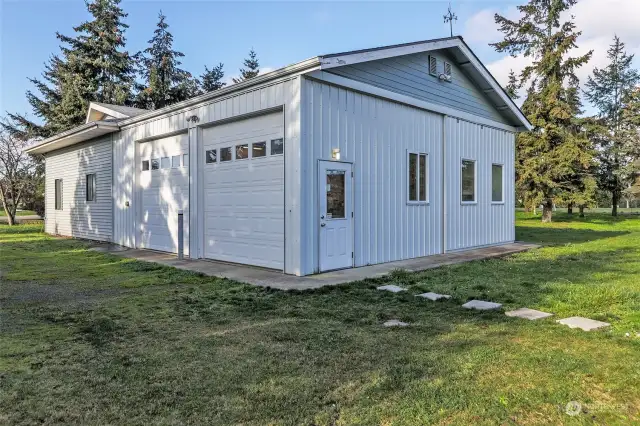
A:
323,224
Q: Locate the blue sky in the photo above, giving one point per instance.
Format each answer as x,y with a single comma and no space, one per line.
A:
208,32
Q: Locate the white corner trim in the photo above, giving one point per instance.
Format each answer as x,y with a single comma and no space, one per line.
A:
372,55
369,89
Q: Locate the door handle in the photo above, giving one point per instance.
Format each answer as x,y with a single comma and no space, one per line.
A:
323,224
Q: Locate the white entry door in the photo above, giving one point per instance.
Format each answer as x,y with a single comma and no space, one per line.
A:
336,215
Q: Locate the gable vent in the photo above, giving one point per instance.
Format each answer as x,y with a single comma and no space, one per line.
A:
433,65
447,69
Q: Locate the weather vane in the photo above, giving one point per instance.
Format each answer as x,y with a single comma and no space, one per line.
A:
449,18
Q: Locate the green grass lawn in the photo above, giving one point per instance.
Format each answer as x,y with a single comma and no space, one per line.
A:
19,213
97,339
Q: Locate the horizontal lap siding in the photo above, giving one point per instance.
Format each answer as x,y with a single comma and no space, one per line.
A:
374,135
409,75
483,223
78,217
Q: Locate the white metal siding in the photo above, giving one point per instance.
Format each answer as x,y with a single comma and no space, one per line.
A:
78,217
483,223
375,135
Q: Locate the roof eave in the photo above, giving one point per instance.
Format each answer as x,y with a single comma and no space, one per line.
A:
84,132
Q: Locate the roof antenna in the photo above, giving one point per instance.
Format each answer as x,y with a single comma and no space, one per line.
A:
449,18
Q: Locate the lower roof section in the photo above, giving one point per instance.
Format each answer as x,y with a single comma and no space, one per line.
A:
76,135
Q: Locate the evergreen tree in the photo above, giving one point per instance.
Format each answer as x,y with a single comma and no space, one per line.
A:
607,90
512,86
91,67
251,68
554,153
165,83
212,78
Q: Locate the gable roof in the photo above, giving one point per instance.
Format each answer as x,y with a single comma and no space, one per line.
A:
113,117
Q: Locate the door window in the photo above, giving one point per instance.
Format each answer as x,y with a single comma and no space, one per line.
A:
335,194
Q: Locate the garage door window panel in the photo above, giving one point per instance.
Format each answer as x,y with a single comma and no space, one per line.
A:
175,161
145,165
155,164
212,156
277,146
242,152
226,154
259,149
165,163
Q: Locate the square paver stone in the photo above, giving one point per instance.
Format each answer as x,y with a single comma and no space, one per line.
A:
526,313
585,324
433,296
395,323
392,288
481,305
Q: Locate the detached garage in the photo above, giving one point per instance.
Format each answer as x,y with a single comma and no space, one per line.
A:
339,161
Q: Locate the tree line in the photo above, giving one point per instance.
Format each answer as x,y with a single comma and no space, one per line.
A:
570,159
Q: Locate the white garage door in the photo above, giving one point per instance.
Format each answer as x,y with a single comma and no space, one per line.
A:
163,167
244,192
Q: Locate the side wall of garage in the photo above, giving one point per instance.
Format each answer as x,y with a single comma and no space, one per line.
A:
77,217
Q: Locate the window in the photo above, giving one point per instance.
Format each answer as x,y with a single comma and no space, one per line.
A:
417,177
212,156
225,154
242,151
259,149
468,181
155,164
496,183
433,65
277,146
91,187
58,194
165,163
185,160
175,161
335,194
145,165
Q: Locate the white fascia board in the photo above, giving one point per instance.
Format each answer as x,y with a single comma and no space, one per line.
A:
104,110
73,136
368,89
373,55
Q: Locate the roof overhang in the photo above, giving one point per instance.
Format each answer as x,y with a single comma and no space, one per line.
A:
465,57
97,112
73,136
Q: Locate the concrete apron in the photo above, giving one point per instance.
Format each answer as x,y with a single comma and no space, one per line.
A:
278,280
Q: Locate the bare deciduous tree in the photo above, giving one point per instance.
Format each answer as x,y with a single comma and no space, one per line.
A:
17,173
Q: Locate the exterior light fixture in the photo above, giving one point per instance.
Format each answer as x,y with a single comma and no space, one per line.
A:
335,153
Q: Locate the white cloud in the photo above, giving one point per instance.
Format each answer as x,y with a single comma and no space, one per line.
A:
597,19
263,70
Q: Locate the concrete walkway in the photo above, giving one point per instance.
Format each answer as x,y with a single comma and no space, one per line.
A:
278,280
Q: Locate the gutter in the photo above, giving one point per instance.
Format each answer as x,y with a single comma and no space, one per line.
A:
71,132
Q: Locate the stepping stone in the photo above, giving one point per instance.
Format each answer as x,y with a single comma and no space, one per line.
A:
585,324
482,305
395,323
434,296
526,313
392,288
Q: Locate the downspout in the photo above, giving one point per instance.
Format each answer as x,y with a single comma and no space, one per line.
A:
444,184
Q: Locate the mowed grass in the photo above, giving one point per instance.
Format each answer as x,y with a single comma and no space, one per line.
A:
97,339
19,213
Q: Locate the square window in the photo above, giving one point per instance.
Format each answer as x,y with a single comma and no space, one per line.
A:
145,165
91,187
165,163
242,151
258,149
58,194
277,146
155,164
212,156
468,175
185,160
226,154
175,161
417,177
496,183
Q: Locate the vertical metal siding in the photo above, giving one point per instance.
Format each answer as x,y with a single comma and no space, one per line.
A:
78,217
483,223
374,135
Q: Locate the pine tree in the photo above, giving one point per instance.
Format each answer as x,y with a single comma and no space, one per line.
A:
251,68
551,155
212,78
512,86
607,89
165,83
91,67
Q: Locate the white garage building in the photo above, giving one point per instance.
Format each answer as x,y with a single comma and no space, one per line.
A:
338,161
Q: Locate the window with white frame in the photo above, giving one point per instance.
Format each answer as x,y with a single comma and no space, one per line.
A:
497,194
58,194
90,193
468,178
417,176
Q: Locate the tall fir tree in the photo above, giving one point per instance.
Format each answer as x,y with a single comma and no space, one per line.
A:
553,153
251,67
92,66
165,83
513,85
212,78
608,89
